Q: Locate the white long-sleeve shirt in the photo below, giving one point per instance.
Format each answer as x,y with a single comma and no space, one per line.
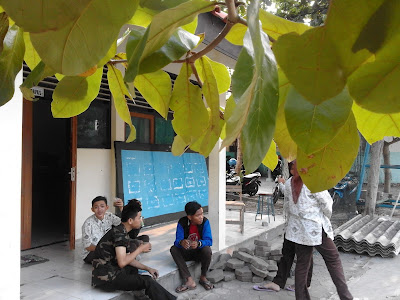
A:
306,219
93,229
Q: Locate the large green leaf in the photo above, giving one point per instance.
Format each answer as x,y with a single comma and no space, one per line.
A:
119,91
381,27
375,85
190,115
4,23
323,169
319,61
210,91
256,108
287,147
374,126
272,25
82,43
206,142
236,34
40,72
156,88
142,17
345,21
134,49
178,44
275,26
11,59
110,54
312,67
43,15
311,126
73,94
271,159
31,57
191,27
229,109
221,74
166,22
160,5
179,146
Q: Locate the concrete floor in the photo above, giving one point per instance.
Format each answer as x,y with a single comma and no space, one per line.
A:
368,278
65,276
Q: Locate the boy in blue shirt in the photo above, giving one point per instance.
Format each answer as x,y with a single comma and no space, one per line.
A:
193,242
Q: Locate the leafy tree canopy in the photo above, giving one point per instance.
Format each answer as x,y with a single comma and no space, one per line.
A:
308,90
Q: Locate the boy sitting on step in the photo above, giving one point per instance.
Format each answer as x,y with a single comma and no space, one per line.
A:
193,242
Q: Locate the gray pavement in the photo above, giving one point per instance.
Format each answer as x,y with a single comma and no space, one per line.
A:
368,278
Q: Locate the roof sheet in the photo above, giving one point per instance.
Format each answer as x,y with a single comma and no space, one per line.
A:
371,235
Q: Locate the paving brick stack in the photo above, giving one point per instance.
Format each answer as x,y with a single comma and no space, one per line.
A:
248,265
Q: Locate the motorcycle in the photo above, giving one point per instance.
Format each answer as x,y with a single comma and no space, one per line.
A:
343,189
250,182
276,192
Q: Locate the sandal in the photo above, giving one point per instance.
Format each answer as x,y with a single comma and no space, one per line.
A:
290,288
183,288
207,285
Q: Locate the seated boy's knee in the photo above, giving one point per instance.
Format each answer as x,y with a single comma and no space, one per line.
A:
173,249
206,250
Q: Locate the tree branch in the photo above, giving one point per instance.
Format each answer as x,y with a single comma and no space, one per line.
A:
196,74
212,45
117,61
395,140
233,16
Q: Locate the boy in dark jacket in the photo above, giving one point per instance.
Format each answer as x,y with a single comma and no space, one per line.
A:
193,242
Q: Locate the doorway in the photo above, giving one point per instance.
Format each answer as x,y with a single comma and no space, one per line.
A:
51,163
48,188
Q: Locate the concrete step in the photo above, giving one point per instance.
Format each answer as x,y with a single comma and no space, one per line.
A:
171,280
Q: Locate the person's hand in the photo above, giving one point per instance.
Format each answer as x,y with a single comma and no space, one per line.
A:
281,179
119,203
145,247
194,244
185,244
153,272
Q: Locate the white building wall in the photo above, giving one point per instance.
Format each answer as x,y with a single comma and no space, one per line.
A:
93,179
10,191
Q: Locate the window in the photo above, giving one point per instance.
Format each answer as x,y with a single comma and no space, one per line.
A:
144,125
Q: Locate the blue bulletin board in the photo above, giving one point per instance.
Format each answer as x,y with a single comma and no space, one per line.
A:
164,183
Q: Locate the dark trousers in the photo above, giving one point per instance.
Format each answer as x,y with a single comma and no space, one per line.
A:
130,280
330,255
286,262
180,256
89,258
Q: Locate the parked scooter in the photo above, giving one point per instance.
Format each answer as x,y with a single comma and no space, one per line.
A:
343,189
276,192
250,182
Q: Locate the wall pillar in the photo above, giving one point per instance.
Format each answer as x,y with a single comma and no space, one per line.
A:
10,177
217,195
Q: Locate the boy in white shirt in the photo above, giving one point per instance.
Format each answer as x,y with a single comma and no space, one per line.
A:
95,226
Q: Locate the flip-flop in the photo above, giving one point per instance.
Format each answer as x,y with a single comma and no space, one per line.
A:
206,285
183,288
262,288
290,288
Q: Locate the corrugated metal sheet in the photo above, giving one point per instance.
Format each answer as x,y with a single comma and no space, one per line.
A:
371,235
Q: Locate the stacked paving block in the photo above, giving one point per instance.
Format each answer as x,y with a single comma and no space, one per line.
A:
248,265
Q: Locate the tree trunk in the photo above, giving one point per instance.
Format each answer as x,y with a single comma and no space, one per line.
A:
373,177
285,168
388,172
238,157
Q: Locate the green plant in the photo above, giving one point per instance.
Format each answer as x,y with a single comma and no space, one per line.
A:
309,90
